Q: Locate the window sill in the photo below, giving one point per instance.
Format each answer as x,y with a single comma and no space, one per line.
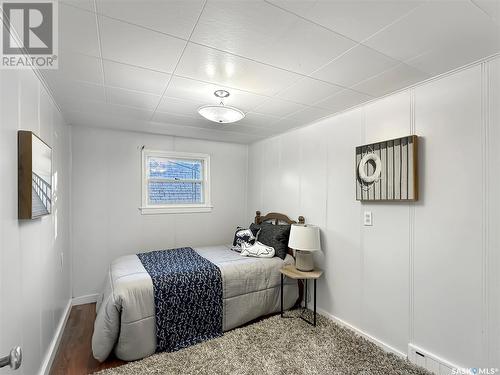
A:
175,210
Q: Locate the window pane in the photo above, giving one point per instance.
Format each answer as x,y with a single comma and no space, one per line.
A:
178,169
175,193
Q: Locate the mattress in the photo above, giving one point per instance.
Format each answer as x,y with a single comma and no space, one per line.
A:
125,319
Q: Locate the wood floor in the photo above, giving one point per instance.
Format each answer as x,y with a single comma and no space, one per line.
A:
74,356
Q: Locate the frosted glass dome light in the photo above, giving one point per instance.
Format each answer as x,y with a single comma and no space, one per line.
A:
220,113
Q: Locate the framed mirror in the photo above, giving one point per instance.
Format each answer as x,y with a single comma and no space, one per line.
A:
34,176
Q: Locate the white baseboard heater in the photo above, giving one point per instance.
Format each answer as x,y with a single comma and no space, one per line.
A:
429,361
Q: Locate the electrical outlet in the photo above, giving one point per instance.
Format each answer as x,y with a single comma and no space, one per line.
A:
367,219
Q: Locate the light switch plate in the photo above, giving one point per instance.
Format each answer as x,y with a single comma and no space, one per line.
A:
367,219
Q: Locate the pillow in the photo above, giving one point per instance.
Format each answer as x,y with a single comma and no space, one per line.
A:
258,250
243,236
275,236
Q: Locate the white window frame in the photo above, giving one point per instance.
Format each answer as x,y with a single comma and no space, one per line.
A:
148,209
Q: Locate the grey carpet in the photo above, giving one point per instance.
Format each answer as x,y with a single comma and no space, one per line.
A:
277,346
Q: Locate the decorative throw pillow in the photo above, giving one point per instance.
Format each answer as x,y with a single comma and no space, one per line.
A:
258,250
275,236
243,236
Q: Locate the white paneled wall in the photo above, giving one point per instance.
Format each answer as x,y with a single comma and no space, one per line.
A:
425,273
106,196
448,219
35,287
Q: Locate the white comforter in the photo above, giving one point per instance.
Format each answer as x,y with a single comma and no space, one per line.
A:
125,319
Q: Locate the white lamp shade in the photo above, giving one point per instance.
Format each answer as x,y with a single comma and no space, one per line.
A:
304,237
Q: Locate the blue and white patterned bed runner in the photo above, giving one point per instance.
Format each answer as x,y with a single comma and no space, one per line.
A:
188,297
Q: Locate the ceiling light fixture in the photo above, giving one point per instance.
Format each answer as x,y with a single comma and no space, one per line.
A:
221,113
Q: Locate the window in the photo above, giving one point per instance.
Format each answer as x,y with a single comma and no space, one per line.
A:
175,182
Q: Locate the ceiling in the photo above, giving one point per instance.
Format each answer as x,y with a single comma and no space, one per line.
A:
148,65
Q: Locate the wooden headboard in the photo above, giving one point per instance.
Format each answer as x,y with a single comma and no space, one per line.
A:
276,218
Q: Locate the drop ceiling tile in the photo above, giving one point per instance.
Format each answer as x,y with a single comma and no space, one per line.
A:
175,17
89,107
490,7
179,107
258,120
200,122
431,38
355,66
392,80
202,92
309,115
287,123
172,125
278,107
78,30
82,107
458,25
178,119
134,78
132,98
261,31
125,112
107,121
249,130
76,91
134,45
445,58
212,132
207,64
76,66
308,91
343,100
354,19
87,5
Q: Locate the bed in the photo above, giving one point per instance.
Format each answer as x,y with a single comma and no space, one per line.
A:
126,322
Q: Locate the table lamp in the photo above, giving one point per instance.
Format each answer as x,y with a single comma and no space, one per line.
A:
304,239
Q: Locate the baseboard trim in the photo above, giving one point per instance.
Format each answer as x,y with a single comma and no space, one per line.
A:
379,343
82,300
54,345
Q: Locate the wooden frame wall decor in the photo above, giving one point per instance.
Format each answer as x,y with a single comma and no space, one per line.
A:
387,171
34,176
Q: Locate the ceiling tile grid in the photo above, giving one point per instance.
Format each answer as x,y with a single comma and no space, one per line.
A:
172,17
130,44
285,63
263,32
134,78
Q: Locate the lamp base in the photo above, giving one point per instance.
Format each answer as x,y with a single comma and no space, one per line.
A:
304,260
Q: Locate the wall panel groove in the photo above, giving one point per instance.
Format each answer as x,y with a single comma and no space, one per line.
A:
492,234
411,222
485,203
